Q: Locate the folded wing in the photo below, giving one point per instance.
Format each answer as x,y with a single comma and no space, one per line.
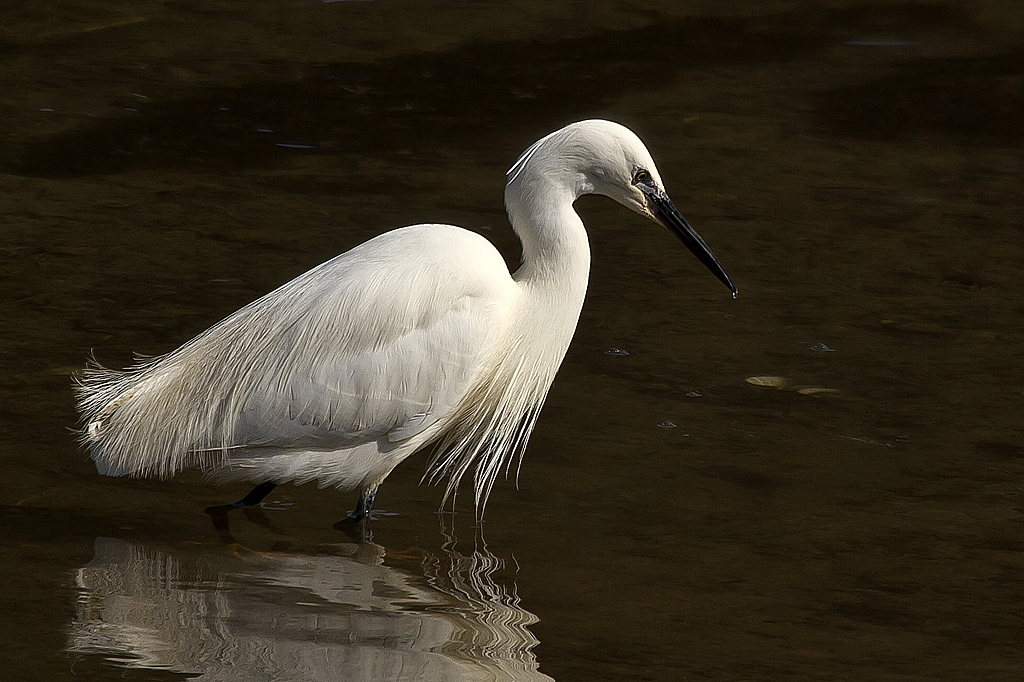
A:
378,343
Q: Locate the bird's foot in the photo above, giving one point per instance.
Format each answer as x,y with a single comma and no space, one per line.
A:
373,514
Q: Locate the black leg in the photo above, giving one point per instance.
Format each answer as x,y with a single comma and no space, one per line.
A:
255,495
219,514
364,504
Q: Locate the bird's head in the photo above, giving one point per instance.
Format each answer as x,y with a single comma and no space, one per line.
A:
602,157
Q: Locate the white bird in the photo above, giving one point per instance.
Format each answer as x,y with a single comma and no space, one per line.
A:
419,336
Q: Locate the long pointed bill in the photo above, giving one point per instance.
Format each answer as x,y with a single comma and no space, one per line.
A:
669,216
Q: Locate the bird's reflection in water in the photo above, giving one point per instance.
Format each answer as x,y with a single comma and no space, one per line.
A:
339,616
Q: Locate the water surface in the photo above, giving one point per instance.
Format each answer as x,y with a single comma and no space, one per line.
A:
856,166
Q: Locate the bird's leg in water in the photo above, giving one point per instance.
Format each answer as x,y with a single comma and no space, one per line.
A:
255,495
364,504
219,513
356,524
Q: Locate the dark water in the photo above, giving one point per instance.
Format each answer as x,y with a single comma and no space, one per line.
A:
858,168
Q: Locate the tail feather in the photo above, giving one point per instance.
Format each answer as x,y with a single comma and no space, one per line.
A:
132,423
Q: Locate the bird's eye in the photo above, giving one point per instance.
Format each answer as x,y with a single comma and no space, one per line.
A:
641,177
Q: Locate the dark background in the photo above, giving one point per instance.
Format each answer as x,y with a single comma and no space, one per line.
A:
857,167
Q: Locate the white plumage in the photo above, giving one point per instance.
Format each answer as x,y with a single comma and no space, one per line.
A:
417,336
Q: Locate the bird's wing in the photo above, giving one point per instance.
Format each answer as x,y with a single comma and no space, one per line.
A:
379,342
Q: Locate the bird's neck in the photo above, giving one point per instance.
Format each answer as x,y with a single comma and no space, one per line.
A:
556,251
553,276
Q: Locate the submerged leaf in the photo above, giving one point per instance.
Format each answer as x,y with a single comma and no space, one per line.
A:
815,390
773,382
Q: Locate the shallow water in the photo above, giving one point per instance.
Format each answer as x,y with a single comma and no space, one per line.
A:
856,166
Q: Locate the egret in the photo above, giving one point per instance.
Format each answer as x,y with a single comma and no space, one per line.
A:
417,337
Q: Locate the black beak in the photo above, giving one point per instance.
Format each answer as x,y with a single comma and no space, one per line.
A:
669,216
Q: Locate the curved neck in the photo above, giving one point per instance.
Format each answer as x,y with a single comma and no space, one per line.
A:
556,250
